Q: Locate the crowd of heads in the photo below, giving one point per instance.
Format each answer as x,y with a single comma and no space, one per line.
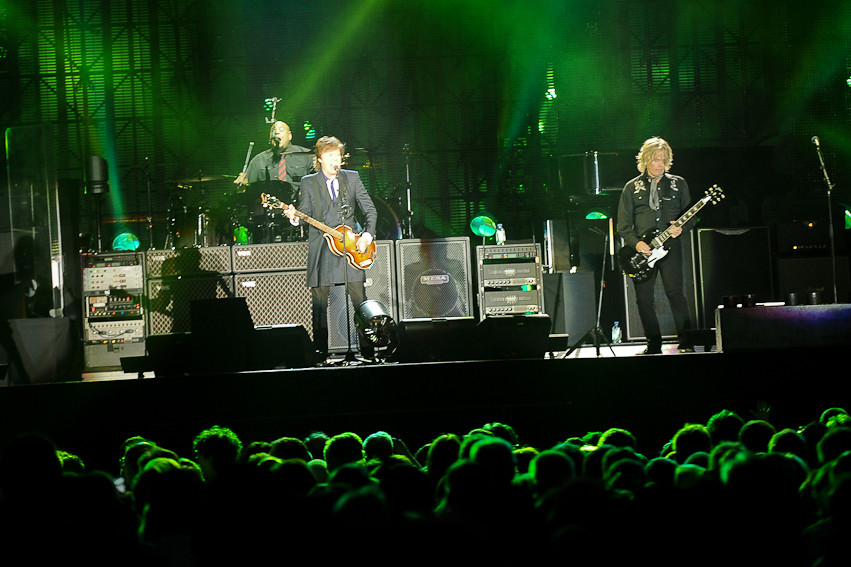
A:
728,490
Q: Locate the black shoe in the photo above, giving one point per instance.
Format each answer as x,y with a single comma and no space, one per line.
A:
648,350
320,358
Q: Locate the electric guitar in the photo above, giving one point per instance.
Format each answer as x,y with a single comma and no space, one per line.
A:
341,240
638,266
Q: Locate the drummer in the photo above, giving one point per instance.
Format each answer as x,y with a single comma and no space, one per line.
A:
282,162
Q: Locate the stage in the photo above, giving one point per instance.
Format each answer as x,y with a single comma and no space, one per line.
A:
546,400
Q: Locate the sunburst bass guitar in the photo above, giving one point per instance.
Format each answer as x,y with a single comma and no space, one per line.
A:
639,266
341,240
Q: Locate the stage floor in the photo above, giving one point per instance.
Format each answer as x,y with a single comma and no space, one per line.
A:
337,360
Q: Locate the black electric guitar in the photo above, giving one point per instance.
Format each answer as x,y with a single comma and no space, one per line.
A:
341,240
638,266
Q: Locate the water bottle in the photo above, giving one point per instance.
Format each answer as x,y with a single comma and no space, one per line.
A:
617,333
500,234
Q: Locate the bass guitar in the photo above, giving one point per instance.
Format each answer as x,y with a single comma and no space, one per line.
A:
342,241
639,266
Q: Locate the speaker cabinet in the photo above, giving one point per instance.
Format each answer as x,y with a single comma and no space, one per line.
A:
434,278
733,262
512,337
379,285
806,275
200,262
169,299
569,300
276,298
276,257
437,340
634,330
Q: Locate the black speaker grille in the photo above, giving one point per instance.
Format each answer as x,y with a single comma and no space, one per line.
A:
270,257
434,278
187,262
276,298
379,286
168,300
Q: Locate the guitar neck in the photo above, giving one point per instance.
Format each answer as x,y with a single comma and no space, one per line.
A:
270,201
335,234
666,234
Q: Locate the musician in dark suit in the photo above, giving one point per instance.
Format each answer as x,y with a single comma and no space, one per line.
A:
655,200
331,196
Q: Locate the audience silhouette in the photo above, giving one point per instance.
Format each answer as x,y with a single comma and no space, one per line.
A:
728,491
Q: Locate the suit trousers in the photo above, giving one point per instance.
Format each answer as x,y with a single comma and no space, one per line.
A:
357,293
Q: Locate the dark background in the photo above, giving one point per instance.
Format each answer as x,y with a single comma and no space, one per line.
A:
482,107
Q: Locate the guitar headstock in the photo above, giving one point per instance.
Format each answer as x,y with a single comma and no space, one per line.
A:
270,201
715,194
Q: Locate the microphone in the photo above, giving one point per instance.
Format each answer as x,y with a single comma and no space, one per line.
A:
816,141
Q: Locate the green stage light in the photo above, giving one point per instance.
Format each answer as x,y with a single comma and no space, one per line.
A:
483,226
596,215
125,242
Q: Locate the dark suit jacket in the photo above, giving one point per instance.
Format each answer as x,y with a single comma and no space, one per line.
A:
323,267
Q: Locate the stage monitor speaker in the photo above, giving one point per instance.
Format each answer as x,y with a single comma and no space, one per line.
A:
282,347
569,300
510,337
274,257
733,262
436,340
170,355
634,328
222,332
183,262
169,299
434,278
379,285
276,298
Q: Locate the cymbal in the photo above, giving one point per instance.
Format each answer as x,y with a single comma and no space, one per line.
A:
200,179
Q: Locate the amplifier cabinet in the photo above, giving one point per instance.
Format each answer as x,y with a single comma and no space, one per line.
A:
168,300
434,279
274,257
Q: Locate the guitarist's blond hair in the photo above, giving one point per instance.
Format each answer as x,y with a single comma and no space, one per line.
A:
649,149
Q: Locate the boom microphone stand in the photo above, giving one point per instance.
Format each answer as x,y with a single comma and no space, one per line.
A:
815,140
596,332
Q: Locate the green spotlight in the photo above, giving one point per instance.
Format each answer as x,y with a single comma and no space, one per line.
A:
125,242
596,215
483,226
847,217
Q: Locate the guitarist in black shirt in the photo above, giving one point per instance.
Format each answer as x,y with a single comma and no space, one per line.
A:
652,202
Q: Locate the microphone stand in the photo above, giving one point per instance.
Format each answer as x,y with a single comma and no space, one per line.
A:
350,357
150,217
597,332
830,186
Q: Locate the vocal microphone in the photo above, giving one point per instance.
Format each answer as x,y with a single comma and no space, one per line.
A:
815,140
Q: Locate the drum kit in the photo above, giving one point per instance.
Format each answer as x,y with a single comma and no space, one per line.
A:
212,211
